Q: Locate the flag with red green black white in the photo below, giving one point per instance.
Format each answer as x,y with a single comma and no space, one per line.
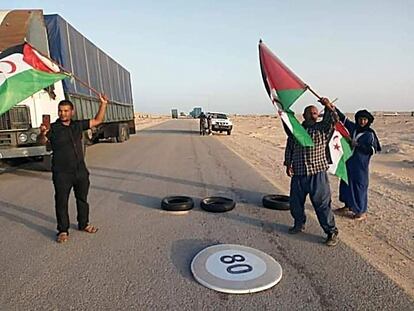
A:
23,72
283,88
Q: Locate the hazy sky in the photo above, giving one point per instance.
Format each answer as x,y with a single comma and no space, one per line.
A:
183,54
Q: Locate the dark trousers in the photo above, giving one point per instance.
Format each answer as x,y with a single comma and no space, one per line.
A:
317,186
63,183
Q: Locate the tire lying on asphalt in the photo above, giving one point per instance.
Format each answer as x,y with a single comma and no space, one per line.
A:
217,204
276,201
177,203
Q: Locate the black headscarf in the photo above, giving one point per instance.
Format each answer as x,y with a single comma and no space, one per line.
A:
366,114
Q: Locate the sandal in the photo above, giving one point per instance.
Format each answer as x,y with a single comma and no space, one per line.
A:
90,229
62,237
343,211
358,217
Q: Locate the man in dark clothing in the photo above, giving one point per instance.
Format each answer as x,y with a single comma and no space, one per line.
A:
203,123
209,116
68,165
307,166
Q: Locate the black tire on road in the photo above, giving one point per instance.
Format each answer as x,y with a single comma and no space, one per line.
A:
276,201
177,203
228,132
217,204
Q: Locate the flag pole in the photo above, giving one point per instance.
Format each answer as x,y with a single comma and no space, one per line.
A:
313,92
316,94
336,118
67,71
86,85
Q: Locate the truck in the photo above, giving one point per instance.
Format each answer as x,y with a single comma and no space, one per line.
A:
174,113
196,112
54,37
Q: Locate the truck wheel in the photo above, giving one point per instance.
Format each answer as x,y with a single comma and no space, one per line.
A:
276,201
91,137
88,137
122,133
228,132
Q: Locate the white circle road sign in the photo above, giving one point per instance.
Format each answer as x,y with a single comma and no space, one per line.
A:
235,269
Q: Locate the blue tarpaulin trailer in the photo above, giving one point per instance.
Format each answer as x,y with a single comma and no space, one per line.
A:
85,60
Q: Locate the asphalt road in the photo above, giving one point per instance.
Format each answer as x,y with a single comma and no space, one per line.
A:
140,258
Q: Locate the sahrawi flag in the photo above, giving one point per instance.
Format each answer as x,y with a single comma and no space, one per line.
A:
340,151
284,88
23,72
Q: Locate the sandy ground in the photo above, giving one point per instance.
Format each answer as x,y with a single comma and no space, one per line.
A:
143,120
386,238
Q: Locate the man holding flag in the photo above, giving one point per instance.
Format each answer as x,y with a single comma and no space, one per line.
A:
307,166
68,165
306,157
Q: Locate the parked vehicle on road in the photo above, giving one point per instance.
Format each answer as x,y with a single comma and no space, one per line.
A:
220,122
174,113
195,113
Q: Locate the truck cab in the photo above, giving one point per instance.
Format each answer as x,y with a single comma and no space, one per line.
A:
19,126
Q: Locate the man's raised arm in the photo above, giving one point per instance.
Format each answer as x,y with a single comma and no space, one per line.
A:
101,112
329,115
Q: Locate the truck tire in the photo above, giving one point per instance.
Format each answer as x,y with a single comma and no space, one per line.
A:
228,132
177,203
91,137
276,202
122,133
217,204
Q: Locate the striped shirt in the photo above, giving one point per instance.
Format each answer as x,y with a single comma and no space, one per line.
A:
311,160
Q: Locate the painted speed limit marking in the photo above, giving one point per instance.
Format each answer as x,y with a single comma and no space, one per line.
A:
235,269
235,265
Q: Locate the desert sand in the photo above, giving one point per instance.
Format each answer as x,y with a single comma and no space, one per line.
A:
144,120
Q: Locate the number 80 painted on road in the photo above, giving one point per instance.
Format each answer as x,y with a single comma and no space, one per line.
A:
235,269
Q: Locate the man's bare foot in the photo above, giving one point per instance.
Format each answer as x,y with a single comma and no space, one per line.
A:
90,229
62,237
358,217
